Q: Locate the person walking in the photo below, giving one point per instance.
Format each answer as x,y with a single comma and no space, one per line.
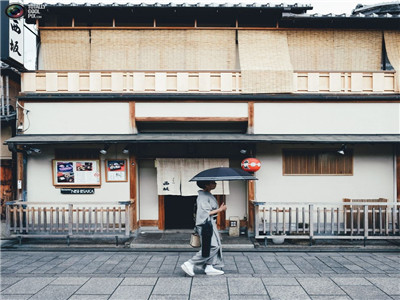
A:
210,254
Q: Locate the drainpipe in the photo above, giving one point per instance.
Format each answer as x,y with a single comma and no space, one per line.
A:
7,97
3,112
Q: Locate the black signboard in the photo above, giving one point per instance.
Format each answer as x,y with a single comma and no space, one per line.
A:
78,191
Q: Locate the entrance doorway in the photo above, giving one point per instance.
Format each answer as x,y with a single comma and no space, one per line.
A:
179,212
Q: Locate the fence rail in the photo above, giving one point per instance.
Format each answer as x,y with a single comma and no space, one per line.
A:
350,220
30,220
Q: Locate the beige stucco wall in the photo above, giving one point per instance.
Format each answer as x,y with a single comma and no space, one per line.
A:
176,109
77,118
326,118
373,177
40,185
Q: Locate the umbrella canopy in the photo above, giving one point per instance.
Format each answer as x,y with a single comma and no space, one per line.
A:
224,174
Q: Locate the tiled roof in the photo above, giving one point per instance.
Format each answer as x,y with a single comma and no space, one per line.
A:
171,4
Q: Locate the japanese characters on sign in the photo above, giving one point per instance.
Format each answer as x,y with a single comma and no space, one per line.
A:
16,40
76,172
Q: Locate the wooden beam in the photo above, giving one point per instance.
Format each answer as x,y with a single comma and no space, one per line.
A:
250,122
152,223
221,218
250,207
190,119
398,173
133,190
132,116
161,212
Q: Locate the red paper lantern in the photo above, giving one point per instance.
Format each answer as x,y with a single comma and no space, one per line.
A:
251,164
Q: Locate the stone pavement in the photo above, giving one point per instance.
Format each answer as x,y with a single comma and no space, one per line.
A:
54,275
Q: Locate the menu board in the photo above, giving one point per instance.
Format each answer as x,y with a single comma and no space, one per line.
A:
73,172
116,170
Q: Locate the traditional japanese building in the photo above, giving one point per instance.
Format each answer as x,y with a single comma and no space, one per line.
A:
130,101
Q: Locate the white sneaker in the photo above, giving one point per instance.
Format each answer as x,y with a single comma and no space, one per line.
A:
213,272
187,267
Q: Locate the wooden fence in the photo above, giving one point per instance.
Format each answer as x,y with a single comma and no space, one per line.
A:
355,220
35,220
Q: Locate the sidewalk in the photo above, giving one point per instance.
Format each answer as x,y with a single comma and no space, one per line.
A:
156,276
178,241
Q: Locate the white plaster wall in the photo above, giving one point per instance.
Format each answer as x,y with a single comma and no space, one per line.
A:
148,190
191,110
40,186
77,118
373,177
236,200
326,118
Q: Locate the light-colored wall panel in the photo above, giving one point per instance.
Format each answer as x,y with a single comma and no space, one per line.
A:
95,81
40,186
182,82
326,118
28,82
161,82
204,82
117,82
378,82
51,82
373,177
78,118
335,81
177,109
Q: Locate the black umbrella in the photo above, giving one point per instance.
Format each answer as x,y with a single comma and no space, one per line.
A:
223,174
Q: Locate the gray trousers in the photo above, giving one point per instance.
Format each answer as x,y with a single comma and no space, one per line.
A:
215,257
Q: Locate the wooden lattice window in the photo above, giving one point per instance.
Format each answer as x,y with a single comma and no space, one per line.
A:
317,162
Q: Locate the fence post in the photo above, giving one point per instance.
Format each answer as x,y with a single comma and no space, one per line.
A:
70,219
311,222
365,224
8,220
127,220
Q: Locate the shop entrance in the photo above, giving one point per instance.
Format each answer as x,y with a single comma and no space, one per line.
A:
179,212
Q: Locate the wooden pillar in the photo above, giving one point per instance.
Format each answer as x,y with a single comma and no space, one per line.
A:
250,206
221,218
398,173
133,191
250,120
132,116
161,213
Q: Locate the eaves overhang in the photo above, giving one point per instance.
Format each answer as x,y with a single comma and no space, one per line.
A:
69,139
54,97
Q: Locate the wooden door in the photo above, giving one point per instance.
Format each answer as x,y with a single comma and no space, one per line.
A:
6,193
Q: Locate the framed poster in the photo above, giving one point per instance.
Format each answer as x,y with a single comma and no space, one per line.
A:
116,170
76,172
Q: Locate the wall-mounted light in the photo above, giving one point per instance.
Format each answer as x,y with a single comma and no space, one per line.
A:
30,150
104,150
125,150
342,149
243,151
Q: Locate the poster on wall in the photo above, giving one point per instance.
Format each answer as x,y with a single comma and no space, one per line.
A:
116,170
73,172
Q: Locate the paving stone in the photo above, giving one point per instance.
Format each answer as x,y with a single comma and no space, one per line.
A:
287,293
390,286
350,281
246,286
10,280
89,297
279,281
209,281
330,298
56,292
168,297
99,286
30,285
132,292
172,286
15,297
320,286
365,293
215,292
70,280
140,281
249,297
